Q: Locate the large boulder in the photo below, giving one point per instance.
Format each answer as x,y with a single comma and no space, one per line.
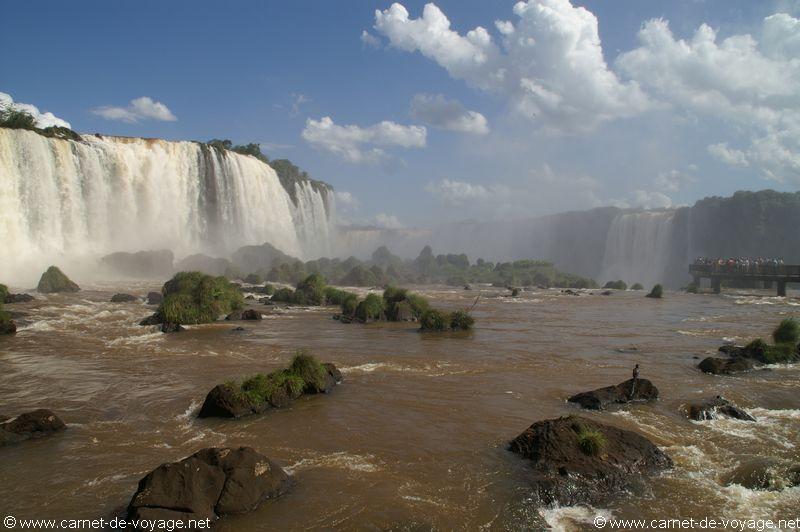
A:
34,424
211,483
726,366
18,298
715,408
7,325
640,390
248,314
142,264
123,298
764,474
154,298
54,280
224,401
567,472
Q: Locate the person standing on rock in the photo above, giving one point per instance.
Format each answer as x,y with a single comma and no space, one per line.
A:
635,380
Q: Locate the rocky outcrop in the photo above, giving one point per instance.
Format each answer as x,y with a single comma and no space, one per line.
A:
211,483
229,400
765,474
726,366
248,314
18,298
54,280
639,390
154,298
563,472
123,298
35,424
715,408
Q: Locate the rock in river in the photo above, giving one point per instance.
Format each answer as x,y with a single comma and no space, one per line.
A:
248,314
34,424
123,298
726,366
714,408
54,280
626,392
567,471
765,474
211,483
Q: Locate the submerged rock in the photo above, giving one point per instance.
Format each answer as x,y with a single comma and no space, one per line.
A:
18,298
564,472
765,474
248,314
626,392
35,424
154,298
7,325
726,366
714,408
123,298
153,319
168,327
54,280
211,483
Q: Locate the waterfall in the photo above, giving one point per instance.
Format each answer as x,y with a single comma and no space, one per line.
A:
638,247
62,200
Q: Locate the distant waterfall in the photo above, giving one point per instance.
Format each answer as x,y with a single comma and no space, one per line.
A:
62,200
638,247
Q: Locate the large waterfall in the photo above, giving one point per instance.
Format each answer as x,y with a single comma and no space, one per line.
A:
638,247
62,200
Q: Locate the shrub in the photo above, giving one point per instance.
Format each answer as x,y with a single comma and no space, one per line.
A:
268,289
461,320
304,374
3,294
13,118
359,276
310,291
306,367
334,296
371,308
193,297
780,354
253,278
283,295
349,305
591,442
418,304
656,292
637,286
434,320
787,332
616,285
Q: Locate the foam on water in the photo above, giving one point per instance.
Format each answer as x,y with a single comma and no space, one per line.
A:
571,518
365,463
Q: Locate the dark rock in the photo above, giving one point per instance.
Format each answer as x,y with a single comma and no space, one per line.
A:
715,407
333,371
238,329
142,264
7,325
223,401
250,298
154,298
467,287
563,473
123,298
211,483
626,392
606,292
172,327
153,319
765,474
248,314
18,298
34,424
54,280
726,366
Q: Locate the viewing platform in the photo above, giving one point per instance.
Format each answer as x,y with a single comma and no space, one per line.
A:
768,274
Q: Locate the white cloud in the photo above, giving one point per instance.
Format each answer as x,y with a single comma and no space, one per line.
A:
459,192
357,144
387,221
672,181
345,201
297,101
550,65
143,108
370,40
438,111
750,85
43,120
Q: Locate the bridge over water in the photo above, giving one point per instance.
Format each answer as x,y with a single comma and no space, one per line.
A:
767,274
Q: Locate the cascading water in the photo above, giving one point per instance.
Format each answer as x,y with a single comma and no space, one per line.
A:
62,200
638,247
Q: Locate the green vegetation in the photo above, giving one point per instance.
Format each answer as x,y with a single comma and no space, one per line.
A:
461,320
591,442
637,286
7,326
54,280
13,118
304,375
656,292
193,297
434,320
787,332
616,285
370,309
3,294
253,278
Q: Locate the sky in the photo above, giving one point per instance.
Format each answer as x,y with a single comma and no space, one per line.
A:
425,113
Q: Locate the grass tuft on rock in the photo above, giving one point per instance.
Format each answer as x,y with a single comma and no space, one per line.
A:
787,332
434,320
591,442
656,292
461,320
194,297
304,375
637,286
54,280
616,285
370,309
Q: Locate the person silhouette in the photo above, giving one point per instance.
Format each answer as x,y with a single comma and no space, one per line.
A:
636,372
635,380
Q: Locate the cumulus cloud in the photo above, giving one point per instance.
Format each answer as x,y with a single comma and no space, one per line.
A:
387,221
357,144
549,63
345,201
143,108
370,40
43,120
751,85
672,181
460,192
442,113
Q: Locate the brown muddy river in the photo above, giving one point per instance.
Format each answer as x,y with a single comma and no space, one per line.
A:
414,438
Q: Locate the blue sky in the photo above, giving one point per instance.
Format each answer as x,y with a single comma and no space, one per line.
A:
657,125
